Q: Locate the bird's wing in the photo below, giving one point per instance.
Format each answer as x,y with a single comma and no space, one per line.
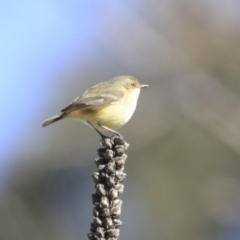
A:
93,102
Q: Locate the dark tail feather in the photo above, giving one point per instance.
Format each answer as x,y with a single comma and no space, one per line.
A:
51,120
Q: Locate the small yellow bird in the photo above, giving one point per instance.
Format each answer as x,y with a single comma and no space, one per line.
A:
105,106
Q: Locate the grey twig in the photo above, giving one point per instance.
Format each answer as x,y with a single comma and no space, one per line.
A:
108,183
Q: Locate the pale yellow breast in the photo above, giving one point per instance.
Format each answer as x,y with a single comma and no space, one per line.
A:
119,113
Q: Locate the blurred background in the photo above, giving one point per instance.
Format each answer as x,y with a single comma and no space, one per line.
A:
184,158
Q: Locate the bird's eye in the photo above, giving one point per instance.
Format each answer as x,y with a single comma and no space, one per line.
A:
133,84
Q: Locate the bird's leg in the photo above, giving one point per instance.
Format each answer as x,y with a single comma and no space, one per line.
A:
102,135
111,130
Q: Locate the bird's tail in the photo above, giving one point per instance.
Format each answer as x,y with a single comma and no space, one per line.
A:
51,120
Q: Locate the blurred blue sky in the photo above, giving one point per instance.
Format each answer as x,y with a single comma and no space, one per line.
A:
36,39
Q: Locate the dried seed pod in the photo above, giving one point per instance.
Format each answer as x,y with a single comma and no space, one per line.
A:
95,212
113,233
118,141
104,202
106,142
96,177
101,190
120,161
117,222
103,175
101,167
120,176
108,223
112,194
121,169
110,181
95,199
110,168
97,221
101,152
106,212
100,232
117,202
120,188
116,211
116,208
109,154
119,150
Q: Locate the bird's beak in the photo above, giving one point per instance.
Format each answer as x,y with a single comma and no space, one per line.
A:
143,86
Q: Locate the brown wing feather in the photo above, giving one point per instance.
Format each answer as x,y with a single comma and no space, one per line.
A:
93,102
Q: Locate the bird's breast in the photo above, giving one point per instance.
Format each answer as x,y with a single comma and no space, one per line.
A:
116,115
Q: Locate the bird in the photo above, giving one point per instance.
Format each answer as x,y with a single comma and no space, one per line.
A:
105,106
